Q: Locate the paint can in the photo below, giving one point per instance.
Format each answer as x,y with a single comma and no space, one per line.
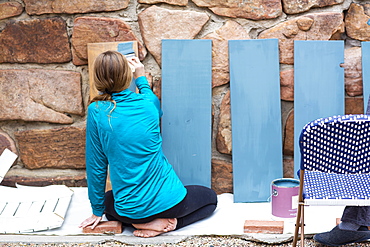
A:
284,202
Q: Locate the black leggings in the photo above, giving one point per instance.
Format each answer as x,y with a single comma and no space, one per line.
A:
199,203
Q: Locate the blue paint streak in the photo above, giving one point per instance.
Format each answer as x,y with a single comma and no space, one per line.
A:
255,118
366,75
286,183
318,84
186,104
126,48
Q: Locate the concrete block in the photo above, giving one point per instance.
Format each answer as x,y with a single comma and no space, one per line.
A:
261,226
106,227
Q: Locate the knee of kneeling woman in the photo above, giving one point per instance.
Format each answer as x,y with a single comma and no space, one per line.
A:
211,195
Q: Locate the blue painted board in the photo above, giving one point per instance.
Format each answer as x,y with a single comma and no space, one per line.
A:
255,118
186,104
366,74
127,49
318,84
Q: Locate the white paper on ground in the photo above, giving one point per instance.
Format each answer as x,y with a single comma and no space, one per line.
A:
7,159
228,219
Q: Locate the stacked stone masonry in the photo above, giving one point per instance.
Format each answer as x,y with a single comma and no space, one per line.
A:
44,74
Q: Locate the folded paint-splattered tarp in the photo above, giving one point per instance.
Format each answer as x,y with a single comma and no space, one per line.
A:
31,209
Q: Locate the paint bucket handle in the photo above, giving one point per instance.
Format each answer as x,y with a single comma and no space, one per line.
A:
274,193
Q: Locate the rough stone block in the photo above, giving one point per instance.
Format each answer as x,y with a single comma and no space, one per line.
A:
223,137
317,26
260,226
7,142
353,71
173,2
254,9
288,167
49,177
158,23
35,41
10,9
356,22
106,227
222,176
39,7
287,85
354,105
97,30
52,148
156,84
295,7
220,53
40,95
289,135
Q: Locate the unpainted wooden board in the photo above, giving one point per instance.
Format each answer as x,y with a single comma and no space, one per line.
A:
186,104
255,118
2,206
31,209
318,84
62,206
36,207
10,209
50,205
93,50
23,209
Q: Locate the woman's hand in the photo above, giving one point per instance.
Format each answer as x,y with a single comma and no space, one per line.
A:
92,221
138,66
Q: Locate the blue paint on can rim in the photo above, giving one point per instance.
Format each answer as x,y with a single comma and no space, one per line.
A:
286,182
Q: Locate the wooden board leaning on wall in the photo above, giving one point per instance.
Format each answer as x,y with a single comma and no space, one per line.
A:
93,50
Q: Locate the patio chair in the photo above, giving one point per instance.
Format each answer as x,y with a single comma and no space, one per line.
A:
335,164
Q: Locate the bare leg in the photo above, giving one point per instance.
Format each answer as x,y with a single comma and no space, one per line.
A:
155,227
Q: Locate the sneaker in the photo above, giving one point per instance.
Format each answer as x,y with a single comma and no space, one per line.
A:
338,237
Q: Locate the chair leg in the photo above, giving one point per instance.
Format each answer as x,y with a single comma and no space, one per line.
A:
302,227
297,224
300,218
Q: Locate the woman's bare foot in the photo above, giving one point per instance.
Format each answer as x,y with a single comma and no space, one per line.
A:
155,227
146,233
159,225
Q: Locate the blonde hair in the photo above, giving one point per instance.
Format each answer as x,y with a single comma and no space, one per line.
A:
112,74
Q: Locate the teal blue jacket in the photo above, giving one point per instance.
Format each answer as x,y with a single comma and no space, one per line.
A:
127,137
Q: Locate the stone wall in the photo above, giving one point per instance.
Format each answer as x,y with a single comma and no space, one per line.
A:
44,74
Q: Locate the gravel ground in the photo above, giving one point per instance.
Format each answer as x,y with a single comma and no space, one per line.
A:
203,241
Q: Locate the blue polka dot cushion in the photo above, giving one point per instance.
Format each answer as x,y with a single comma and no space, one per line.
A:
335,157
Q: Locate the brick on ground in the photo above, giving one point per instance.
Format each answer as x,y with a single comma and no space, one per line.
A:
338,220
261,226
106,227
